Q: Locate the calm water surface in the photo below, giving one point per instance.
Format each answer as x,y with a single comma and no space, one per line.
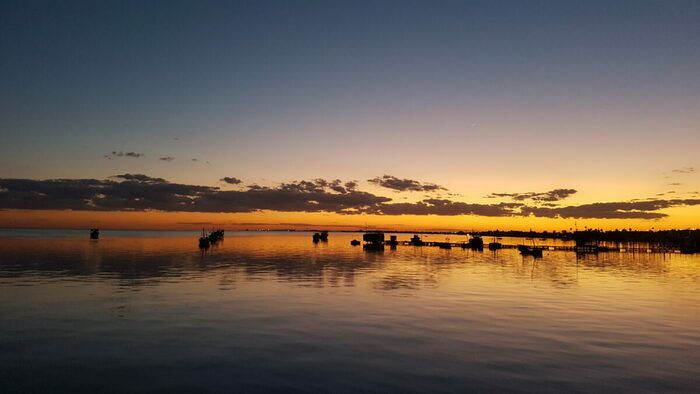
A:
144,312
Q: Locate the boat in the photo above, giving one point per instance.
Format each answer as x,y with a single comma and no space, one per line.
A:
393,241
323,236
444,245
416,240
212,238
355,242
495,245
373,241
316,238
535,251
94,233
476,243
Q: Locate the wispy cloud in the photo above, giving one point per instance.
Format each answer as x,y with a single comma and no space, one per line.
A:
684,170
166,158
127,154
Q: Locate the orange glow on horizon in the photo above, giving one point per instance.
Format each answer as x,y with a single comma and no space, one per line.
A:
684,217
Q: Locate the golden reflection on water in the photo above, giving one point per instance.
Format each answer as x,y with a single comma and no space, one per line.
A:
481,319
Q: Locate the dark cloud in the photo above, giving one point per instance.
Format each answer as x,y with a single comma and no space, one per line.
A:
138,192
435,206
230,180
139,178
402,185
142,192
166,158
550,196
127,154
612,210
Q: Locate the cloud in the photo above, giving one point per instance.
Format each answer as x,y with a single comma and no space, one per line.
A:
550,196
684,170
139,192
166,158
402,185
230,180
442,207
612,210
127,154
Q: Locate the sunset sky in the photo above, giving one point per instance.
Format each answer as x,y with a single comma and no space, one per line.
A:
431,115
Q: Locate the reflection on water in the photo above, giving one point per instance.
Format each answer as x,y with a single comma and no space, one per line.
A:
273,311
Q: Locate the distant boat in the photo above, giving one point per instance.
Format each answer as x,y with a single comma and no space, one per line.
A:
355,242
212,238
373,241
535,251
416,241
94,233
495,245
444,245
476,243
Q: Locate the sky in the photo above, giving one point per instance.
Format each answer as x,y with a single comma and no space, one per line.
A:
130,114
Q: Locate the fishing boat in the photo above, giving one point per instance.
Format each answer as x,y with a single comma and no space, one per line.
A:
535,251
495,245
416,240
476,243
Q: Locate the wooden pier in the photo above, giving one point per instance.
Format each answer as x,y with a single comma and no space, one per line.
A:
553,248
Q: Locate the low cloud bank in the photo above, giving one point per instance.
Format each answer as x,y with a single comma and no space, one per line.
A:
138,192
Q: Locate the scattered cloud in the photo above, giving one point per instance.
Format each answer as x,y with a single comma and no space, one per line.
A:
166,158
550,196
684,170
127,154
402,185
230,180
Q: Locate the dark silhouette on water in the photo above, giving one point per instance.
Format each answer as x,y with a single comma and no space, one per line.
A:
476,243
373,241
416,240
320,237
94,233
495,245
355,242
212,238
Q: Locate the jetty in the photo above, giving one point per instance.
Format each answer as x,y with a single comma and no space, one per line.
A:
377,241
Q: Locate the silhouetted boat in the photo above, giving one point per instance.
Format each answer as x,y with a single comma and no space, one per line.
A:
535,251
444,245
355,242
393,241
94,233
373,241
416,241
495,245
323,236
316,237
212,238
476,243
